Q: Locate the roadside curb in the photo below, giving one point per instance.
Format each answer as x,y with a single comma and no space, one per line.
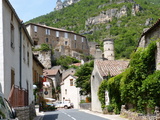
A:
110,117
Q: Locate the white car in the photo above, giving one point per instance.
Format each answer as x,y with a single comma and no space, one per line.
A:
63,104
6,111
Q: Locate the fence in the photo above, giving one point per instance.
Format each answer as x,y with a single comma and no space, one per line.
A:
18,97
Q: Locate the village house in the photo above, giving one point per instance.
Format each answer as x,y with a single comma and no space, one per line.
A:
61,41
37,77
37,70
104,67
69,91
48,88
152,34
16,62
55,75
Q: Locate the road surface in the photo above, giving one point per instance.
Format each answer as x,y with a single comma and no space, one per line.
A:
70,114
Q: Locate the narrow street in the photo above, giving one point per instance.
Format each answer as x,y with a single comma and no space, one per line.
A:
75,114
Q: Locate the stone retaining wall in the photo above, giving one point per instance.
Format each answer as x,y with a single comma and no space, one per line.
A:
86,106
26,113
138,116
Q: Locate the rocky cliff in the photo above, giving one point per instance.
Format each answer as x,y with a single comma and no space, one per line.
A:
108,15
66,3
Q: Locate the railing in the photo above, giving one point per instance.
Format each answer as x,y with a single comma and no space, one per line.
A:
18,97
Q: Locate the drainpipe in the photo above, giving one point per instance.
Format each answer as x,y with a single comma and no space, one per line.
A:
20,57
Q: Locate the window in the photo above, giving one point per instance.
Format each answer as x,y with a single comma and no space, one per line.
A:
24,53
57,33
71,82
12,77
35,28
82,39
82,46
66,35
46,40
12,36
47,31
66,91
75,37
66,42
28,58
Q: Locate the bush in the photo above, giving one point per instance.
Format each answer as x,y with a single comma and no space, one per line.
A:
110,108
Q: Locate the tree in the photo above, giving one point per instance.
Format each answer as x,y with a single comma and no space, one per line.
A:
83,80
65,61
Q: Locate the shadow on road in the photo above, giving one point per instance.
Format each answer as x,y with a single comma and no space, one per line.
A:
50,117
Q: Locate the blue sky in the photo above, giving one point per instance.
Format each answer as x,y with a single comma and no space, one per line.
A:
29,9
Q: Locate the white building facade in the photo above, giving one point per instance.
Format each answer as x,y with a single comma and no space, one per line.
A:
15,52
69,91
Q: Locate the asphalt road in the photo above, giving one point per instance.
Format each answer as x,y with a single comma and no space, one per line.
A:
70,114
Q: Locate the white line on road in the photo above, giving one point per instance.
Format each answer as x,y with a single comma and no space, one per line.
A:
69,115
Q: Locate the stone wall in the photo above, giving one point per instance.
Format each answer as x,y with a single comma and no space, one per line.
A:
86,106
139,116
26,113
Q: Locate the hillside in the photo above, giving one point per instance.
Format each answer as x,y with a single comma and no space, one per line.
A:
123,20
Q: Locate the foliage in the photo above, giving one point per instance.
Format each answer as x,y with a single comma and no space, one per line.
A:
126,33
150,91
83,81
138,85
142,64
101,93
110,108
82,101
44,47
65,61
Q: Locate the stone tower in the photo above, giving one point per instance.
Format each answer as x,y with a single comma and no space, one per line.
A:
109,49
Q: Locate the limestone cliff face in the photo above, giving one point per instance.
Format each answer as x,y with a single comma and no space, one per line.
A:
66,3
108,15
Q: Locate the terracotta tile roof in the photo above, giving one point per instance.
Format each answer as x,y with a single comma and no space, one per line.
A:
70,71
50,72
77,64
112,67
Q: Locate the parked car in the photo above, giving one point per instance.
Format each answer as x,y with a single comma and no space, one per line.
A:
6,111
63,104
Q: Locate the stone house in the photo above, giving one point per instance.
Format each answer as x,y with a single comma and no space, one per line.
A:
102,69
15,61
152,34
63,42
67,72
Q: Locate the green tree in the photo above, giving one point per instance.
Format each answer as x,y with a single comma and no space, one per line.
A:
83,80
65,61
45,47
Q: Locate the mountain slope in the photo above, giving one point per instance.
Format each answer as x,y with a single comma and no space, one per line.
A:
124,26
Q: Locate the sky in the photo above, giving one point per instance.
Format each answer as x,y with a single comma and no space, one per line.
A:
29,9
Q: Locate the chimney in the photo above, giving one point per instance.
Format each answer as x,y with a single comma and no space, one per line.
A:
98,54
